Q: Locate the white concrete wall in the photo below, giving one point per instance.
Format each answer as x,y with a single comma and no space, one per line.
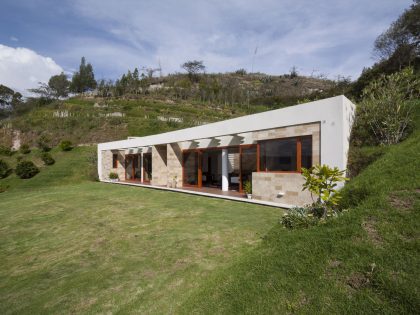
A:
334,114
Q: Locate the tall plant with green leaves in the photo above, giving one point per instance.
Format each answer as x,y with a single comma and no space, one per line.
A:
386,105
322,181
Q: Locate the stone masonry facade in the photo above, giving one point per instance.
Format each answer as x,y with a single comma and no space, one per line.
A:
277,187
285,187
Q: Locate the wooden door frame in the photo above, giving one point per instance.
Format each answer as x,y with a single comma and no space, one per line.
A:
143,168
132,157
246,146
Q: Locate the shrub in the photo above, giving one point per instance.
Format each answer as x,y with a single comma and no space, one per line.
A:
4,169
47,158
44,143
322,180
66,145
113,175
26,169
385,105
5,150
24,149
248,187
298,217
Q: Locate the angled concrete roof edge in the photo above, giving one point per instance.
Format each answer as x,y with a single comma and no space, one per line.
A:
292,115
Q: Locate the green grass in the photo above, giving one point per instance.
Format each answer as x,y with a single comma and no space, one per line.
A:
364,262
68,245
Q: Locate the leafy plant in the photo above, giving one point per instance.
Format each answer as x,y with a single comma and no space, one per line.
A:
66,145
321,181
4,169
248,187
24,149
298,217
47,158
26,169
385,105
5,150
44,143
113,175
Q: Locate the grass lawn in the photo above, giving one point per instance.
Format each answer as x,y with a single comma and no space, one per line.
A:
73,246
367,261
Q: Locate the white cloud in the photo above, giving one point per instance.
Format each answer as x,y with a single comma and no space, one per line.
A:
14,39
333,36
22,68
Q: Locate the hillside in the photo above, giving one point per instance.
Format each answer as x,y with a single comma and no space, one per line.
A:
364,262
163,104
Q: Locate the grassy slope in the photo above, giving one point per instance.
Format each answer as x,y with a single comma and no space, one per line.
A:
68,245
366,261
85,123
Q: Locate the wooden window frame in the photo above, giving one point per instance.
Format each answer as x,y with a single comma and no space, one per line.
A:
143,168
298,154
114,160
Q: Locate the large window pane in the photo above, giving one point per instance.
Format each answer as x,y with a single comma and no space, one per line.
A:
278,155
306,152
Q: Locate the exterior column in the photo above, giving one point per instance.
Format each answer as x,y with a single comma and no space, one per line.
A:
141,167
225,170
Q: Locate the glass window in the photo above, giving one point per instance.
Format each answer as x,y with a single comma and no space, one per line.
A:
278,155
306,143
115,160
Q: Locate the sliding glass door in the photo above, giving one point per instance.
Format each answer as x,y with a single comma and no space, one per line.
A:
132,167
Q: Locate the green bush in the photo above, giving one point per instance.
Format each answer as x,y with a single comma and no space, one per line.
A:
47,158
26,169
44,143
66,145
298,218
248,187
4,169
113,175
360,158
321,181
5,150
24,149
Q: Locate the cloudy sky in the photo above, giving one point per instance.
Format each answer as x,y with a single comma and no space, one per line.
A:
39,38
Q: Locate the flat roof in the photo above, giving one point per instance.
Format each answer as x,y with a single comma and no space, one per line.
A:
318,111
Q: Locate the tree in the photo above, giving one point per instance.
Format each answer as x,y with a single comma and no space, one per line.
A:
386,105
84,79
193,68
9,98
322,180
59,85
402,37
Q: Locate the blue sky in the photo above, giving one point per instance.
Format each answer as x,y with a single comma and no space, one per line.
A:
330,37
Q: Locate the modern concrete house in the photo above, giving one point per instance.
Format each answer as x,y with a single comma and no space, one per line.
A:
268,149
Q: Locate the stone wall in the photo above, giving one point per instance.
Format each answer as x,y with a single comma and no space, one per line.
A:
159,165
271,186
174,163
107,164
267,186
